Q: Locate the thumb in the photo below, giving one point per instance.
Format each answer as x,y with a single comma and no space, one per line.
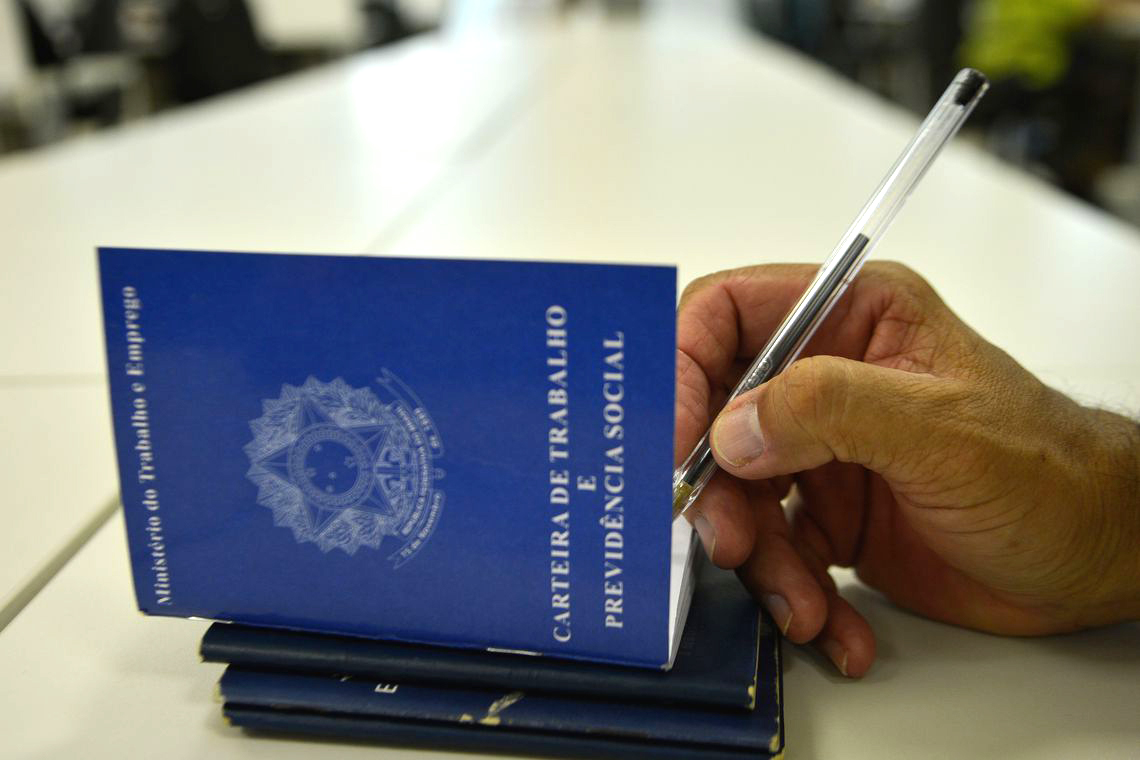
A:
825,408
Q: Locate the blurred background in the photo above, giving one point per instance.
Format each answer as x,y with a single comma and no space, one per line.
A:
1064,103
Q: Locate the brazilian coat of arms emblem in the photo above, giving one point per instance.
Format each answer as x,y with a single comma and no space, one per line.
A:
343,468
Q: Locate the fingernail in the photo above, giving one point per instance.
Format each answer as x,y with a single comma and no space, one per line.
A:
836,653
707,533
736,435
780,610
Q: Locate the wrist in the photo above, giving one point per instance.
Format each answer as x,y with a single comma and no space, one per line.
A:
1115,487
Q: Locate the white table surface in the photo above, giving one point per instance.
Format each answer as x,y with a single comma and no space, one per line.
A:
665,144
58,470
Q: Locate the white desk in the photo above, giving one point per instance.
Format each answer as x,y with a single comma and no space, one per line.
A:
58,470
665,144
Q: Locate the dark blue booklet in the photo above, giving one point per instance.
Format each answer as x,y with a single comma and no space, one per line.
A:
717,662
464,453
512,719
468,738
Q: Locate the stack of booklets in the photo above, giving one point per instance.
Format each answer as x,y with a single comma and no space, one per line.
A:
430,499
721,699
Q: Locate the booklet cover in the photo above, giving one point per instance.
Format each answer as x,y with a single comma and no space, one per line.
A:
467,453
716,664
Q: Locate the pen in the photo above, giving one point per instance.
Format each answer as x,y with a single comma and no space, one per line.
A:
842,265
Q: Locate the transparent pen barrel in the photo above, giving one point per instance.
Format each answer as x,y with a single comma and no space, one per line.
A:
941,124
845,261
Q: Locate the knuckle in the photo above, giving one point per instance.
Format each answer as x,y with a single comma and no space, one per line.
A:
701,284
692,390
894,269
706,282
814,392
905,282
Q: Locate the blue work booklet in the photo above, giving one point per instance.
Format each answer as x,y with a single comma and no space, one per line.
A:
466,453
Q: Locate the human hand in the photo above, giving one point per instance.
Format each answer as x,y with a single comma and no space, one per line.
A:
922,456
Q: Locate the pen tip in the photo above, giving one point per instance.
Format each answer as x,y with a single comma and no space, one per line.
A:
681,498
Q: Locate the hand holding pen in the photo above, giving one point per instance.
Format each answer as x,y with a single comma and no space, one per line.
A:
922,456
